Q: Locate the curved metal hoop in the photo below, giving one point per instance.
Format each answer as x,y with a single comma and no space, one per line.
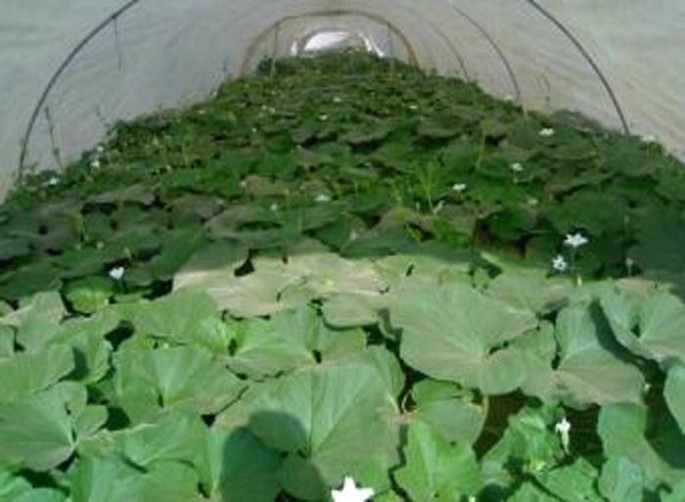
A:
586,55
509,69
112,18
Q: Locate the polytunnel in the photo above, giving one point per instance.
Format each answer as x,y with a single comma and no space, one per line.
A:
68,73
347,250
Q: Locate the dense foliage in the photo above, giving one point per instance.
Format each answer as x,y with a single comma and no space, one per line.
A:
341,266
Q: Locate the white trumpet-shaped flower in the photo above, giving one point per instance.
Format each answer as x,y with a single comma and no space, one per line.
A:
559,263
117,273
546,132
96,164
351,493
53,181
575,240
563,428
322,197
516,167
459,187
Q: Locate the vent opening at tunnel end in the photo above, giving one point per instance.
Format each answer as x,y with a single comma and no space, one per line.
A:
332,40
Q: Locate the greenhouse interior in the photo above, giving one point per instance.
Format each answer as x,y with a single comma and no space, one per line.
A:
352,250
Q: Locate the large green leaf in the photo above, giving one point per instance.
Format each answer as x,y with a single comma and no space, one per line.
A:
238,467
86,336
176,437
435,468
90,294
530,290
574,483
35,432
448,409
529,442
179,378
652,326
37,320
111,479
263,348
174,316
624,428
661,236
25,373
589,369
332,420
449,333
622,480
674,392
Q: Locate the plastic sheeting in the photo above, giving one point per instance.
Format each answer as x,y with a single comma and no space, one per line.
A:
156,54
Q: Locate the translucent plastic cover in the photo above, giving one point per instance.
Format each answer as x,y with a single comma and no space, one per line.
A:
69,70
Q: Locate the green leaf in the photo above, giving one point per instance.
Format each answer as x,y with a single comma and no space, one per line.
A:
590,369
111,480
87,338
35,432
96,479
449,333
659,318
449,410
435,468
37,321
528,443
573,483
530,290
330,419
674,392
26,373
661,236
28,280
176,437
622,480
263,349
178,378
623,429
90,295
173,316
306,328
349,310
239,467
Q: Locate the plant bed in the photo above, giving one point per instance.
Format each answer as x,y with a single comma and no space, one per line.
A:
343,267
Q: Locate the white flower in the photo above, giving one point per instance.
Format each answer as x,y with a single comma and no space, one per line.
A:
323,118
350,492
53,181
516,167
337,99
438,207
559,264
459,187
532,201
117,273
563,428
413,107
95,164
322,197
575,240
648,138
100,149
547,132
243,184
274,207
